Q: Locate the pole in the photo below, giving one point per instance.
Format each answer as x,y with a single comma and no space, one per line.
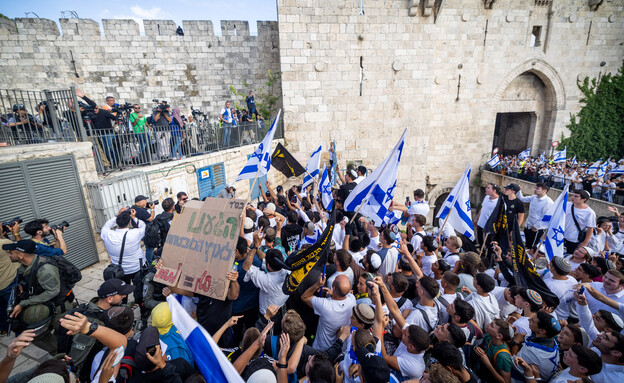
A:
483,246
444,223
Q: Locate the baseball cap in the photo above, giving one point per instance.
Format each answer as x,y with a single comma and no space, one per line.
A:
25,246
513,187
140,197
149,339
114,286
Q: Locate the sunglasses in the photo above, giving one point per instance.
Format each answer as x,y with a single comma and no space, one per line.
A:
184,199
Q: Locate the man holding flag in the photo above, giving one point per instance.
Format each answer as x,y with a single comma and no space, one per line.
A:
539,203
580,221
555,218
260,161
312,168
456,209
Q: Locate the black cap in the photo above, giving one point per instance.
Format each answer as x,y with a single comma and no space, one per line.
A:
149,339
280,188
25,246
140,197
374,368
114,286
513,187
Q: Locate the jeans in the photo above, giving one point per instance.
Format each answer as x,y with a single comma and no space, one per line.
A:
143,144
176,146
149,254
227,131
108,144
5,295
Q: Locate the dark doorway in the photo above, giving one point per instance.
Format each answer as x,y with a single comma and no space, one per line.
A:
512,132
438,204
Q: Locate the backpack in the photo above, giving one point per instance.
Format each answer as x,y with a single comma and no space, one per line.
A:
152,234
81,348
68,273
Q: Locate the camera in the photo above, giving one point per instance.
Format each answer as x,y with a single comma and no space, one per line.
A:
61,226
8,225
162,108
125,107
150,204
196,112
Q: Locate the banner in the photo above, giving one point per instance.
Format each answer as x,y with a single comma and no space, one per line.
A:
303,261
282,160
497,226
199,249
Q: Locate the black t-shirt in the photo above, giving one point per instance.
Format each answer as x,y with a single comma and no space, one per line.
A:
514,207
619,185
345,190
291,234
213,313
178,208
142,213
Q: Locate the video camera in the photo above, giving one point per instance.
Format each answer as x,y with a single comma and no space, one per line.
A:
61,226
197,112
125,107
6,226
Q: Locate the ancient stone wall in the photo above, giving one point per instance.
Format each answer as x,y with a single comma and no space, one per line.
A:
441,69
196,69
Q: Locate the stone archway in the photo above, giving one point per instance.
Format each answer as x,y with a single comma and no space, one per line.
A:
526,104
436,198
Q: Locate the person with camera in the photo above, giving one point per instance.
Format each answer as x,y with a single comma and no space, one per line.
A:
161,118
127,237
226,118
140,128
41,294
177,134
25,126
229,192
39,229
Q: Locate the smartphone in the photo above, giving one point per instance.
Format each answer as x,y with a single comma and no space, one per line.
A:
581,290
151,350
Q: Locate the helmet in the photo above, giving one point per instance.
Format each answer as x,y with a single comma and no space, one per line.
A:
17,107
37,317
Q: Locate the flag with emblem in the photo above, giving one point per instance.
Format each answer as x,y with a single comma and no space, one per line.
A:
574,162
560,156
602,170
312,167
374,194
555,219
593,168
457,207
283,161
326,190
494,161
260,161
524,154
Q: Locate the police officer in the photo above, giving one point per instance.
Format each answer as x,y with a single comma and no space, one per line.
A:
39,230
40,296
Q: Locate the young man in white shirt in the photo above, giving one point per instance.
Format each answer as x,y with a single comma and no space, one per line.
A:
612,286
582,362
484,303
492,193
453,244
133,255
539,203
270,283
578,213
611,347
562,285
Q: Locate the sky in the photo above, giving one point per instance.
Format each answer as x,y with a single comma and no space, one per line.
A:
176,10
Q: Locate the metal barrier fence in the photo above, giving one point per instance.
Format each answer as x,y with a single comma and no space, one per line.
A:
33,117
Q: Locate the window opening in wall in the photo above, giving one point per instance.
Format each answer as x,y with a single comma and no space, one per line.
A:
536,35
234,30
361,73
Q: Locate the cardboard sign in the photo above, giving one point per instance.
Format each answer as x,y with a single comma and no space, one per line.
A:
200,246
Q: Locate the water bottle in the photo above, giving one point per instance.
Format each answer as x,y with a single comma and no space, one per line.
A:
235,267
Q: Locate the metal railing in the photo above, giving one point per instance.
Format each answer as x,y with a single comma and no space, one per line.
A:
34,117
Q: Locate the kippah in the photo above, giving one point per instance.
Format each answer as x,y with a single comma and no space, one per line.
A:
616,318
555,323
534,297
585,337
610,265
511,331
562,264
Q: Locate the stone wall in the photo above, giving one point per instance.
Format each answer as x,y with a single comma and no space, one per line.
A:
443,74
196,69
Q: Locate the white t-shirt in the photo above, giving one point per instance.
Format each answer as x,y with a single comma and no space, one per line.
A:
486,308
389,263
348,272
270,285
451,259
410,365
227,115
585,218
426,262
416,317
333,315
419,207
487,207
564,290
522,326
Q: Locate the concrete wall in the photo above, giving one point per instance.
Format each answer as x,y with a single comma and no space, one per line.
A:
411,59
196,69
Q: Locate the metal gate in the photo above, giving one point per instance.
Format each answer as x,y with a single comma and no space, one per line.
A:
49,188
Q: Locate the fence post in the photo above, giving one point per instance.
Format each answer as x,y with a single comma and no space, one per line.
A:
148,146
83,132
53,115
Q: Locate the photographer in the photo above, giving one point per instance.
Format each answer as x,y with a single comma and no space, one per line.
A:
139,126
26,125
133,256
39,230
161,115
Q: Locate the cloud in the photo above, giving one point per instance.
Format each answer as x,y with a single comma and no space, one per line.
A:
104,13
151,13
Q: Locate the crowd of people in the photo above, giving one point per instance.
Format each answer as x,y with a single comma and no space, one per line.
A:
400,302
578,175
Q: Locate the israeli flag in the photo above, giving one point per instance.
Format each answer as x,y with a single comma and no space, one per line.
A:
574,162
260,161
213,364
334,159
618,170
376,191
457,207
555,219
524,154
393,217
542,159
494,161
594,167
326,192
312,168
560,156
602,170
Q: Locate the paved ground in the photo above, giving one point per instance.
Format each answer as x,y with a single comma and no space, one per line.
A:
85,290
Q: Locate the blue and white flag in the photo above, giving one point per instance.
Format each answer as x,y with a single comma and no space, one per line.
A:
213,364
393,217
494,161
326,190
602,170
618,170
542,159
594,167
555,218
524,154
333,177
375,192
574,162
260,161
457,207
312,168
560,156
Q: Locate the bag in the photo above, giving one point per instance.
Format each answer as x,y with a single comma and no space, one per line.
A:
581,233
68,274
152,234
115,270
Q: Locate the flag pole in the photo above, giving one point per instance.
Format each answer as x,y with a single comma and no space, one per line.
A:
444,223
483,246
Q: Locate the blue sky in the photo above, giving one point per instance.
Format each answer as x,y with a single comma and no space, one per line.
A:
176,10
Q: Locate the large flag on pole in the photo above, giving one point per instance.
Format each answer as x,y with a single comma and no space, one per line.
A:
524,154
555,218
560,156
376,191
574,162
497,226
334,162
494,161
260,161
213,364
542,158
594,167
602,170
326,192
457,207
312,168
304,260
618,170
282,160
